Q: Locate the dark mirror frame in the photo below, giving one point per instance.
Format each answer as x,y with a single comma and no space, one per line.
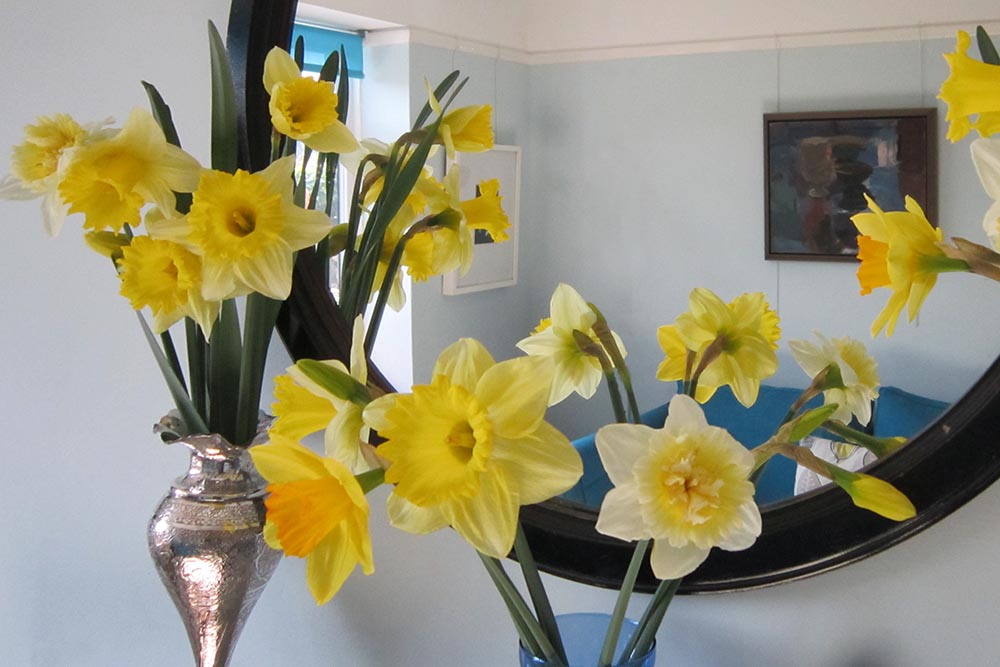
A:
944,467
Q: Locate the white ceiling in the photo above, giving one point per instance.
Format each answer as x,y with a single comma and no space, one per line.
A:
553,26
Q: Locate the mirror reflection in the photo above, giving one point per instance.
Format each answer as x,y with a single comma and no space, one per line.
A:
643,179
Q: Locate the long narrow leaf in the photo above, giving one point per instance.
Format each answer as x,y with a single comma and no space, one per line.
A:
225,130
987,51
331,68
439,92
536,590
183,402
163,117
197,348
260,317
343,87
225,351
171,353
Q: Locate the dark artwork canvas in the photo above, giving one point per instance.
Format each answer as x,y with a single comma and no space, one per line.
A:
820,166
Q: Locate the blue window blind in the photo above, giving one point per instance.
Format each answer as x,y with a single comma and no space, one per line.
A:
321,42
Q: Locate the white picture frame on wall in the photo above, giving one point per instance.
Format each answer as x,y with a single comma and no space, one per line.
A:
494,264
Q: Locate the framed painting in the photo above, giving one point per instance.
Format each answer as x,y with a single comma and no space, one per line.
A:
494,264
819,167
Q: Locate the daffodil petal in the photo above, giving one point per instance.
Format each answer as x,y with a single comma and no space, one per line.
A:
270,273
620,446
670,562
742,535
286,461
542,465
335,138
620,516
413,519
279,67
329,565
488,520
517,392
464,363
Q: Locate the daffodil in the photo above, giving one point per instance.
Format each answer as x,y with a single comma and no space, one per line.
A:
40,162
899,250
684,486
305,406
986,158
575,370
733,344
468,130
303,108
315,510
110,180
166,277
972,89
471,447
246,230
857,370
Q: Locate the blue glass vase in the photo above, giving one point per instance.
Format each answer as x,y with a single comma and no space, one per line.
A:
583,638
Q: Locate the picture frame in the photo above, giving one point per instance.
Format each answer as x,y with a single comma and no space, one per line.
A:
818,167
494,264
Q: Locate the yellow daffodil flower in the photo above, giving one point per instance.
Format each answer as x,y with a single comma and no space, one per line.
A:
39,163
740,340
574,369
303,108
315,510
986,158
166,277
899,250
972,88
471,447
305,407
246,230
858,371
468,130
110,180
485,212
684,486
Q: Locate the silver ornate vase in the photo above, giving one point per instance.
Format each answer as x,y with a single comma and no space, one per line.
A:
206,540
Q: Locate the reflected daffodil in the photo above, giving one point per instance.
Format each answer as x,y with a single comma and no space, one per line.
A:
857,370
972,89
471,447
315,510
575,370
684,486
899,250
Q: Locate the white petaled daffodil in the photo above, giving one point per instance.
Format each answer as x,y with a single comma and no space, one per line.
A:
575,370
246,229
472,447
986,158
304,108
684,486
858,371
39,163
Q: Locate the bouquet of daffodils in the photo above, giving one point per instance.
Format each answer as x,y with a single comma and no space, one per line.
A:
216,236
471,447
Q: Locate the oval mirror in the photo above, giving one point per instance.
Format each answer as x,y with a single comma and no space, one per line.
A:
943,467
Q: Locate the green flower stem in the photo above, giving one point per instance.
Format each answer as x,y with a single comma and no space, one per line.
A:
386,288
539,598
531,632
354,218
618,615
711,353
587,345
645,632
261,313
603,332
880,447
183,402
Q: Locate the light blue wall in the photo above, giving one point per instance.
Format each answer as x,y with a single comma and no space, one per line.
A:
643,178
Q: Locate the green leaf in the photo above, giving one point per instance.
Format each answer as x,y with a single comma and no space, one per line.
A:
338,383
161,113
225,351
197,348
225,130
810,421
331,68
261,314
299,52
343,88
371,480
185,407
987,51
